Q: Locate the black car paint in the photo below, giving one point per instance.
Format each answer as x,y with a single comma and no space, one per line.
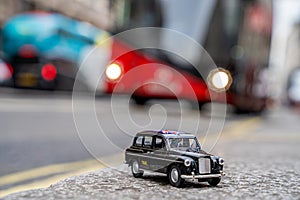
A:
162,159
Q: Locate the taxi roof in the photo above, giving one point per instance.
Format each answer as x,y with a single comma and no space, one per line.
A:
166,134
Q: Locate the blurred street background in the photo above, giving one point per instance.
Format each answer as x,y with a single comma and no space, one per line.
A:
67,65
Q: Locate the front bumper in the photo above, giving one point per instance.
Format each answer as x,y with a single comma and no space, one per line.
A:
193,176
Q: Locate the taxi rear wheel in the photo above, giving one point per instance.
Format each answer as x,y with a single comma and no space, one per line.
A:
135,169
174,176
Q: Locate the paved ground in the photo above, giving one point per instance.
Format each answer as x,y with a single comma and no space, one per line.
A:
40,143
39,129
38,135
263,162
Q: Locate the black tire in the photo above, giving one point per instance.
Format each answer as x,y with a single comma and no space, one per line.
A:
140,100
201,105
214,181
135,169
197,105
174,175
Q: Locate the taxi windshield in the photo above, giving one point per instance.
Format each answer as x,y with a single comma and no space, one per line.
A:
184,144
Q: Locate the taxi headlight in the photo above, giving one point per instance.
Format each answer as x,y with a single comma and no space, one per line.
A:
221,161
187,162
219,79
113,71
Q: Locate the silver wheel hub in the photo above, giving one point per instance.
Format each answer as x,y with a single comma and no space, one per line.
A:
135,167
174,175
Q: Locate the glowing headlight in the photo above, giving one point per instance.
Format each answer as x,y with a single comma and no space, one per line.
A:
113,71
221,161
187,162
219,79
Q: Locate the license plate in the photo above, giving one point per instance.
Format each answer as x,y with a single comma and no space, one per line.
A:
26,79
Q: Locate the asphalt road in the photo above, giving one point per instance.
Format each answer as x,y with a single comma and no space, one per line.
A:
39,129
261,153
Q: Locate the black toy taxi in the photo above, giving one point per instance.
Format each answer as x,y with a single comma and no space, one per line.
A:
177,154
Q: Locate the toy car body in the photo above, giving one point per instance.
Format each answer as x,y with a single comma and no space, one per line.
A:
177,154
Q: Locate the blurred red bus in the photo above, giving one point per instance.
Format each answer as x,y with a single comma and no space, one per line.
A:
236,34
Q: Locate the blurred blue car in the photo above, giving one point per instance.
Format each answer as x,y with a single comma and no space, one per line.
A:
44,49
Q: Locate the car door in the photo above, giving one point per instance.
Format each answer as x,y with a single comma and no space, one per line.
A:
158,156
147,152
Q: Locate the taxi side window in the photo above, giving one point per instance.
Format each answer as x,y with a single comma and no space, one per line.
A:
159,143
148,141
139,141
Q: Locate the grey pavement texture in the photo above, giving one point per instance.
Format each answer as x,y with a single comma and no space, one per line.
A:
257,167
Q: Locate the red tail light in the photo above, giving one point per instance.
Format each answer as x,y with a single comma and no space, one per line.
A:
49,72
27,51
6,71
11,70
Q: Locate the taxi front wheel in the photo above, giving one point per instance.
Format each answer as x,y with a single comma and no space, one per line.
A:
214,181
174,176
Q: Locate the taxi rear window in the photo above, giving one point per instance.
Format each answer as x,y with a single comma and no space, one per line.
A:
148,141
138,141
145,141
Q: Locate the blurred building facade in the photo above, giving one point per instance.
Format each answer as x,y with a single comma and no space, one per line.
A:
96,12
285,45
292,57
292,61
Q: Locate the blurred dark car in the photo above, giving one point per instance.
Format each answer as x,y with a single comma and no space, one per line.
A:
293,90
44,50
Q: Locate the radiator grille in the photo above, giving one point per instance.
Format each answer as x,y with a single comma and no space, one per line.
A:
204,166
